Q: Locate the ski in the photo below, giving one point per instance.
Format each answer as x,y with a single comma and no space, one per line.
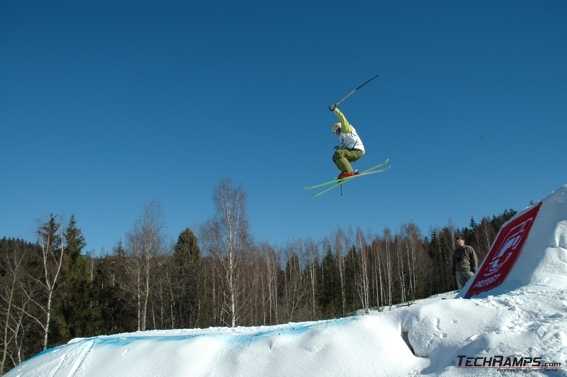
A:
372,170
349,179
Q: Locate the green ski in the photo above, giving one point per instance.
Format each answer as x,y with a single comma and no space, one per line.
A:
330,185
380,167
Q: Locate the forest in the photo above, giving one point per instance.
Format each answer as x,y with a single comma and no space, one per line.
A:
52,291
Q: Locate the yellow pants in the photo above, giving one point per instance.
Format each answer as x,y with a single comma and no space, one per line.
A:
343,157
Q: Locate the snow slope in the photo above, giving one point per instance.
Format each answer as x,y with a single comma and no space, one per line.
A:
526,316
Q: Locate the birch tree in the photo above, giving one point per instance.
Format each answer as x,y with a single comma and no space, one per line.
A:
229,231
388,262
362,278
144,244
52,251
294,282
272,268
378,280
312,253
340,246
12,319
398,249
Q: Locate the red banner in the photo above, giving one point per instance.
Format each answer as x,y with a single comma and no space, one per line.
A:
504,252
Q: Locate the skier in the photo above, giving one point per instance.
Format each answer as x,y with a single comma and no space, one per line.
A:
350,148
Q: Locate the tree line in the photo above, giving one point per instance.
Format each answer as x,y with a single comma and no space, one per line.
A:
51,291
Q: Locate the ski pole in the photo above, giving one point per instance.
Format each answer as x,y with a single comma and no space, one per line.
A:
354,90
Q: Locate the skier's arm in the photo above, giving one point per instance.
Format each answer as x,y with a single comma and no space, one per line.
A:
345,125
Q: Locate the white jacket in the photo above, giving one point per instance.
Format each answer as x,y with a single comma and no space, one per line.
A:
348,137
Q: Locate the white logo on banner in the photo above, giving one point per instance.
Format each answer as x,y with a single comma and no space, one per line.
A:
509,246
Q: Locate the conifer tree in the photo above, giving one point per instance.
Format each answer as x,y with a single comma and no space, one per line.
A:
185,278
77,312
74,241
330,295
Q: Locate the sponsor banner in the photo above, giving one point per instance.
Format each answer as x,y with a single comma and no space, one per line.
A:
504,252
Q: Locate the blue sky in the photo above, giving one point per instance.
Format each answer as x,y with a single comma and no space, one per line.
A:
106,106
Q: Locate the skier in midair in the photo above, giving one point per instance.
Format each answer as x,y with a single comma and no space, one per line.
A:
350,148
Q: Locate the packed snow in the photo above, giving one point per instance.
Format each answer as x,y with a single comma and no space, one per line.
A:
525,317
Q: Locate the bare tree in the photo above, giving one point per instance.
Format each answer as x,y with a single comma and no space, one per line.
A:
12,265
487,238
171,296
272,268
363,277
340,245
411,237
312,253
388,263
419,262
92,261
52,251
144,244
378,280
229,233
294,283
442,250
400,260
18,330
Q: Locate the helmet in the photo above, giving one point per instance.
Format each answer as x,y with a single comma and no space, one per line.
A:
336,127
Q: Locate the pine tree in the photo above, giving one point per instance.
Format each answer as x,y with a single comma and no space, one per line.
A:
473,224
77,312
49,234
187,247
75,242
351,271
330,294
185,279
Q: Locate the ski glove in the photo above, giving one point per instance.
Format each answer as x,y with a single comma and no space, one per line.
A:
332,107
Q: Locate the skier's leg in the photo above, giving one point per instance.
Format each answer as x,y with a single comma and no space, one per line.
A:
353,155
343,157
342,162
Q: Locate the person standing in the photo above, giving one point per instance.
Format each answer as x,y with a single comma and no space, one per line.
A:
464,262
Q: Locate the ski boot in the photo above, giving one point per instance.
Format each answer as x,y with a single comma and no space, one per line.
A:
346,174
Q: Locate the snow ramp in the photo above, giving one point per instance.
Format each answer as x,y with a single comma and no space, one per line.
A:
530,249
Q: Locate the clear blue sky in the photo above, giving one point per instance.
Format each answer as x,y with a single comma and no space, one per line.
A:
108,105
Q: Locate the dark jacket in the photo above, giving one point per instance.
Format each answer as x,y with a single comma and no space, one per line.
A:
464,259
